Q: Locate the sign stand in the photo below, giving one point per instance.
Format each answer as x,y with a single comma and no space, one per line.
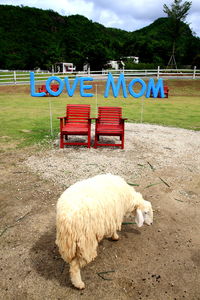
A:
51,117
142,109
96,101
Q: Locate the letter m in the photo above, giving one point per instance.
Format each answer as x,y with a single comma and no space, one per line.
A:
115,89
155,90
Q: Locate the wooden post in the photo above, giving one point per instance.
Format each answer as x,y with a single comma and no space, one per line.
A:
15,77
50,118
194,72
142,109
96,92
158,72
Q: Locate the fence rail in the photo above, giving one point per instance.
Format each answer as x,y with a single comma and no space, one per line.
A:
23,77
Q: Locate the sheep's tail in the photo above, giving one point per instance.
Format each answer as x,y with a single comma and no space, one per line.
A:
73,245
65,241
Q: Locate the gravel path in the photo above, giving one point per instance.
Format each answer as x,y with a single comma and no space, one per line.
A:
146,147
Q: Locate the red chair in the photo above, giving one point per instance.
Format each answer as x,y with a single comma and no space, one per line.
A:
109,123
76,122
166,92
42,89
54,88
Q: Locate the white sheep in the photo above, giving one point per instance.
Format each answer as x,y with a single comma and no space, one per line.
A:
90,210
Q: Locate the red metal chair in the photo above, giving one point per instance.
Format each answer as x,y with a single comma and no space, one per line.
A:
42,89
166,92
54,88
76,122
109,123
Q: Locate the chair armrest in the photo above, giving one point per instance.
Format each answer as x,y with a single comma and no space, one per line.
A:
62,118
91,119
122,120
96,120
62,121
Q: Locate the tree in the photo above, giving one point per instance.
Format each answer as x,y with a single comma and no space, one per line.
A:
97,56
196,61
177,14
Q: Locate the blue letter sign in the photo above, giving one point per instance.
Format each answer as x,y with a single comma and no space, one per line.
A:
150,89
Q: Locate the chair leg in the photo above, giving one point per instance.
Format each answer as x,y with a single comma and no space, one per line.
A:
61,140
89,140
122,139
95,141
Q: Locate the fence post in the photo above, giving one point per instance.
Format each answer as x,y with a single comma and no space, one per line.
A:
194,72
15,77
158,72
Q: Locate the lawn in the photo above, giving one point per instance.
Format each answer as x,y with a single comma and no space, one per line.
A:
25,120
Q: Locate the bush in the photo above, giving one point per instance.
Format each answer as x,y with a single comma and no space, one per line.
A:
141,66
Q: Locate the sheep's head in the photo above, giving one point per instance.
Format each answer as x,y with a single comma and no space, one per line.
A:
140,209
144,213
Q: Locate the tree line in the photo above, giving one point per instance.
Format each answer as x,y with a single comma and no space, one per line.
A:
34,38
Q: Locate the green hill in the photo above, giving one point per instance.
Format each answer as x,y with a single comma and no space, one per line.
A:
32,38
154,44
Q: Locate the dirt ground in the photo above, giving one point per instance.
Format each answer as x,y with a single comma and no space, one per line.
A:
155,262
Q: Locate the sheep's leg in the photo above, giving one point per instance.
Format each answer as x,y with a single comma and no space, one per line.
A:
115,236
75,274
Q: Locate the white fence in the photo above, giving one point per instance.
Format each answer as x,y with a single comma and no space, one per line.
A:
23,77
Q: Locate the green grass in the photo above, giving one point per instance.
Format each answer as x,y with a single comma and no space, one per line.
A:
25,120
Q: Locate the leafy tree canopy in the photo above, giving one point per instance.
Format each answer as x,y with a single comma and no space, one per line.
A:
32,38
177,11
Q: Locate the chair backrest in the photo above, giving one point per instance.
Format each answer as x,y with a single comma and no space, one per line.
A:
77,113
43,87
109,115
54,87
166,89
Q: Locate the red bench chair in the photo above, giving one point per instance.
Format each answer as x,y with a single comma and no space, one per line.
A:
76,122
54,88
109,123
42,89
166,92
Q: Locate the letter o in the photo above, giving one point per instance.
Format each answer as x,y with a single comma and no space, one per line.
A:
141,92
48,85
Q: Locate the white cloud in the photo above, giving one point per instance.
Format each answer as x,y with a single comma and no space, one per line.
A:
193,21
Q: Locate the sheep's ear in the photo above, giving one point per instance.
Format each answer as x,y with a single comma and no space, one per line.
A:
139,219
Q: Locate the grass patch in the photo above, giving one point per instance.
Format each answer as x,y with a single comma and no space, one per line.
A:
25,120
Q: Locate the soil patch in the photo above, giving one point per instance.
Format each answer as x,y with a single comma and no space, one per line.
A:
157,262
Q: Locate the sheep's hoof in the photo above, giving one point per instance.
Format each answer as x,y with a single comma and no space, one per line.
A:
115,240
80,286
115,237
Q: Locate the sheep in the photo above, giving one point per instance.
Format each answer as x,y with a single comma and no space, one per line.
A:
90,210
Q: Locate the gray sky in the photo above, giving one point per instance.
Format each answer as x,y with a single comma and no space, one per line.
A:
129,15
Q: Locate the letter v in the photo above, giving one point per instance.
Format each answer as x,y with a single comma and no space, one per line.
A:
71,90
